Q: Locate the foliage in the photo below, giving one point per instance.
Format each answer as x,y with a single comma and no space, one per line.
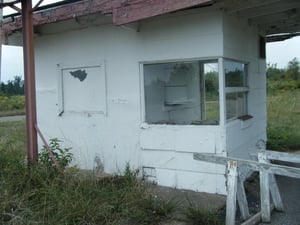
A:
293,70
212,83
73,198
283,107
197,215
274,73
12,100
12,105
283,120
62,155
13,87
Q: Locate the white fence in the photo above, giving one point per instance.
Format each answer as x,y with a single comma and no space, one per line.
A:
268,187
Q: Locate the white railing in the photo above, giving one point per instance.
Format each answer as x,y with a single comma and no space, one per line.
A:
268,186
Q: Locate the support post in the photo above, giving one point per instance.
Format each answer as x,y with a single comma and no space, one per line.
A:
276,197
265,203
29,79
242,199
231,192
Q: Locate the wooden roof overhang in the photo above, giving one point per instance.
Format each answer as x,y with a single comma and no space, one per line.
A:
122,12
278,19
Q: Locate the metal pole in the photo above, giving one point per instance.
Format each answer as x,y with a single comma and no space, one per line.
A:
29,79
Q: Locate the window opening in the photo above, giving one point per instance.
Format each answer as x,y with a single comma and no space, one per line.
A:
182,93
235,89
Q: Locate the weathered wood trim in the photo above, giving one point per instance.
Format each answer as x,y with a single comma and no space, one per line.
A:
231,192
255,218
253,165
140,9
275,193
264,190
242,199
283,156
122,11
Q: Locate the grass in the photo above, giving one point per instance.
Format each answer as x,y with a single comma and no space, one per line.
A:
284,120
31,195
198,216
37,196
12,105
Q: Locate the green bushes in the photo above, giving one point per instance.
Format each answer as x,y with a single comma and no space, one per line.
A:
283,120
283,86
12,105
36,195
12,87
12,100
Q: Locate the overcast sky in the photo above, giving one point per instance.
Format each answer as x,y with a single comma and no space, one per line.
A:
279,53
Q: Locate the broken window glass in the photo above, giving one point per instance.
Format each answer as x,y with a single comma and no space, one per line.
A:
182,93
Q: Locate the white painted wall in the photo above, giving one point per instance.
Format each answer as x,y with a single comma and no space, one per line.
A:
241,42
120,134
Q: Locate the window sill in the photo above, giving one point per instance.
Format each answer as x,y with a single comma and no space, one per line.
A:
246,121
245,117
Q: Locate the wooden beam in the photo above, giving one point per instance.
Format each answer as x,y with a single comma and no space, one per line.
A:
283,156
265,201
231,192
269,10
8,3
246,5
275,193
242,199
139,9
253,165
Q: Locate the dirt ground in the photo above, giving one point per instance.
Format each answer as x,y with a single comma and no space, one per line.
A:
209,202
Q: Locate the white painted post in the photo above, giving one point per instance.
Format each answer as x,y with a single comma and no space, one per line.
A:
242,199
276,197
231,192
264,190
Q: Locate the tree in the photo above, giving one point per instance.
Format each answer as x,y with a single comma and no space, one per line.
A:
274,73
293,70
13,87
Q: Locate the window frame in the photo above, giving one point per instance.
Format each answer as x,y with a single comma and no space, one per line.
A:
238,89
61,67
216,60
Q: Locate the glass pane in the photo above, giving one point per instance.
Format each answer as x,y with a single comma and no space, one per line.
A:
212,109
181,93
235,74
235,105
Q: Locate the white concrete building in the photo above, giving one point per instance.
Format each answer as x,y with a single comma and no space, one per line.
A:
154,91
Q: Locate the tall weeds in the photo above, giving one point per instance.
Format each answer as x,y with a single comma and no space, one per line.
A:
36,195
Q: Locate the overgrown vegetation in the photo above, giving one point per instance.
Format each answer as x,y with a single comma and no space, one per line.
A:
12,101
12,105
37,195
12,87
198,216
284,107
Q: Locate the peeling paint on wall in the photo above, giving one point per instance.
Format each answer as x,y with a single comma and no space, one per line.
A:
80,74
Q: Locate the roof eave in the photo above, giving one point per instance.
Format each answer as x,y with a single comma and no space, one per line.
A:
122,12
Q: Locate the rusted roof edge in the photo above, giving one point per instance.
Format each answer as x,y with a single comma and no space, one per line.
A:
141,9
122,11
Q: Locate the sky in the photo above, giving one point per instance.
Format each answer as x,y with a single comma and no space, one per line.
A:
279,53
